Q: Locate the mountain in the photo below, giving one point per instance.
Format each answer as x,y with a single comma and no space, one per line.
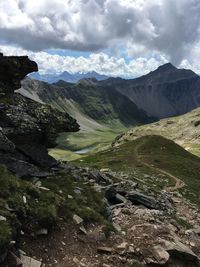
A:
87,102
132,205
163,93
183,129
66,76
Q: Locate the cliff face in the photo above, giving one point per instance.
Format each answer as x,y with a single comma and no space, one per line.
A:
163,93
27,128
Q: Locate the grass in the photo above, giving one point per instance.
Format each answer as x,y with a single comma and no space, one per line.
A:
104,104
146,155
183,223
44,208
183,129
68,143
168,156
124,159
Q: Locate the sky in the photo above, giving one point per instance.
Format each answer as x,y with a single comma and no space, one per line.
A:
126,38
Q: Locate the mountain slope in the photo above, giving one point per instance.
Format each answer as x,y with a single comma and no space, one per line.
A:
159,162
184,130
67,77
100,104
163,93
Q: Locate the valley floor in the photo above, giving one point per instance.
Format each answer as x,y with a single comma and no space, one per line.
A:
73,146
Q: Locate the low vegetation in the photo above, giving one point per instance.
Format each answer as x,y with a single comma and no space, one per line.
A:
24,206
184,130
72,146
145,157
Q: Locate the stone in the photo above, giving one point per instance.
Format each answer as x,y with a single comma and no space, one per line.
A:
117,227
120,198
194,231
42,174
105,170
179,249
160,254
24,199
30,262
77,219
13,70
142,199
100,178
106,250
44,188
122,246
2,218
83,230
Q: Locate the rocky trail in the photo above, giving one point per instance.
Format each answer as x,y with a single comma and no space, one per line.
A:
146,229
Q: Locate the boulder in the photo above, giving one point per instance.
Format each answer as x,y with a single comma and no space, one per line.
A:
77,219
160,254
105,250
179,250
13,70
142,199
30,262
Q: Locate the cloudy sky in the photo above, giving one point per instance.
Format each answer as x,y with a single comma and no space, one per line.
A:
124,38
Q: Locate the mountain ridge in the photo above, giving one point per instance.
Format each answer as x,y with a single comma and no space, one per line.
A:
162,93
66,76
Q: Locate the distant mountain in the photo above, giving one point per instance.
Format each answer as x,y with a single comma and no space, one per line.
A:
163,93
67,77
90,104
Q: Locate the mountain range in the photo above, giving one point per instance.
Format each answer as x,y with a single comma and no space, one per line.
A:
66,76
162,93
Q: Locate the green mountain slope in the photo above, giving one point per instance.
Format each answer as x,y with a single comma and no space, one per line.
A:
184,130
104,105
159,162
100,104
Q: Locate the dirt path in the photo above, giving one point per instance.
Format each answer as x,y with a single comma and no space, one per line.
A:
178,182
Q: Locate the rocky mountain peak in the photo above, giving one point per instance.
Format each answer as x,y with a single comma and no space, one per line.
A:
166,67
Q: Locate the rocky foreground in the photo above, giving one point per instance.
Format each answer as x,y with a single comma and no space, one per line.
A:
56,214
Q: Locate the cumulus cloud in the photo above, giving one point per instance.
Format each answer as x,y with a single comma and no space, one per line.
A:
167,27
99,62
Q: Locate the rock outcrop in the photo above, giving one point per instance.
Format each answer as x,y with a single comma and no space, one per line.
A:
12,71
27,128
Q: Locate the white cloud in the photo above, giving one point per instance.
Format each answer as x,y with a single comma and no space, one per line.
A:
166,27
99,62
